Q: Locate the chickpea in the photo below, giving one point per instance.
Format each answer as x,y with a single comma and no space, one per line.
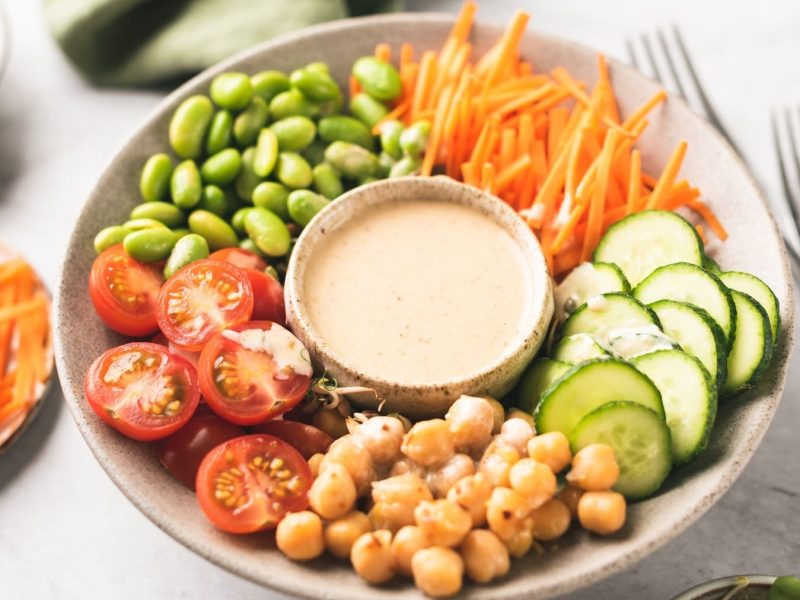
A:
602,512
497,462
594,468
299,535
314,462
438,572
354,458
406,465
372,556
552,449
534,480
471,421
521,542
333,493
331,422
341,534
498,411
406,543
444,522
570,496
429,442
444,477
381,437
517,432
471,493
551,520
485,556
395,500
515,413
505,512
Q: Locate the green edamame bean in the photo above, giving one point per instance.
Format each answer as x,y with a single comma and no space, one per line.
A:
180,232
294,133
289,104
377,78
390,138
231,90
367,110
154,180
165,212
187,250
143,223
329,107
149,245
386,163
786,587
352,161
185,185
338,128
248,179
268,84
268,232
272,196
314,153
187,129
304,205
214,200
222,168
237,220
270,270
250,121
327,181
408,165
109,236
414,138
217,232
315,85
266,154
219,132
319,67
293,171
250,246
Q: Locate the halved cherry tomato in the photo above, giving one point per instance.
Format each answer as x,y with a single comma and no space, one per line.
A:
254,372
182,452
244,259
124,292
142,390
203,299
306,439
268,302
249,483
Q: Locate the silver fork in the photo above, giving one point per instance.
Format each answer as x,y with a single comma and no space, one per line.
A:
789,167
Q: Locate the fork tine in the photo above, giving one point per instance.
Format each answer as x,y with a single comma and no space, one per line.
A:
662,40
632,54
648,49
787,188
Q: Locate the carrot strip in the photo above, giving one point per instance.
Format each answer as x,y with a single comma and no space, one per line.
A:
354,87
406,55
612,111
487,177
595,218
523,101
508,146
640,113
12,269
508,46
396,113
424,84
511,172
709,217
668,176
383,52
634,188
21,309
557,120
436,132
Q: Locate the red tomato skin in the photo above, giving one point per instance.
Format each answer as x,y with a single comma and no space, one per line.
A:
244,259
183,451
268,298
109,309
306,439
97,393
252,519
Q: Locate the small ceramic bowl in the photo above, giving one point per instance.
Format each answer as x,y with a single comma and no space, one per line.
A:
413,399
757,588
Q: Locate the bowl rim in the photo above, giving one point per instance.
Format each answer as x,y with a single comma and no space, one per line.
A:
721,583
579,579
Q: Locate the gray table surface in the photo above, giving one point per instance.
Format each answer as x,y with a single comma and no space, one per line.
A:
67,532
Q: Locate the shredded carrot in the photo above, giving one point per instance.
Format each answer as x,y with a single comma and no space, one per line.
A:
635,184
383,52
709,217
406,55
668,176
354,87
512,171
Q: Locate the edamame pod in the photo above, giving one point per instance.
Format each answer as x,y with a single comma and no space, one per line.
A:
237,220
304,205
231,90
290,103
222,168
272,196
340,128
327,181
185,185
377,78
219,132
268,232
390,138
217,232
318,67
268,84
250,246
250,121
154,180
367,110
315,85
386,163
214,200
414,138
187,250
405,166
180,232
187,129
109,236
293,171
143,223
294,133
165,212
247,180
266,154
352,161
149,245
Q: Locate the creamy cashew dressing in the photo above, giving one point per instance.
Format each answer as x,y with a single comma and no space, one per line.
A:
418,291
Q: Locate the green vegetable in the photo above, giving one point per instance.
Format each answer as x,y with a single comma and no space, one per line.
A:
390,138
377,78
180,232
222,168
220,132
785,588
149,245
154,181
217,232
327,181
266,154
414,138
186,185
346,129
250,121
165,212
318,67
214,200
294,133
315,85
272,196
289,104
137,224
352,161
368,110
268,232
187,129
405,166
250,246
247,180
386,163
109,236
231,90
237,220
304,205
293,171
187,250
315,152
268,84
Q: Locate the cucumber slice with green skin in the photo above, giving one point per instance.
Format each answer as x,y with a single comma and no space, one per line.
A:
577,348
585,281
636,343
589,385
539,376
689,395
697,333
760,292
710,265
642,242
609,315
641,443
685,282
752,347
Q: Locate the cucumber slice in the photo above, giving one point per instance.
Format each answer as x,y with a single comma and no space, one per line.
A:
642,242
587,280
537,378
589,385
689,283
609,315
689,396
635,343
752,346
760,292
577,348
641,443
697,333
